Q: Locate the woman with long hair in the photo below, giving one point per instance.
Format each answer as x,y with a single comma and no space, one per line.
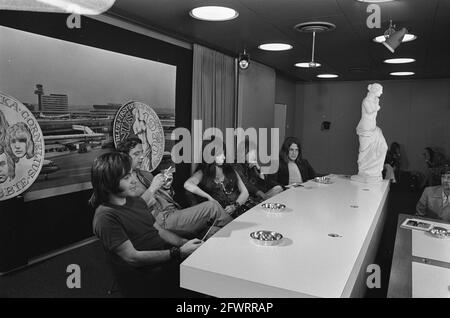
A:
293,169
20,141
218,181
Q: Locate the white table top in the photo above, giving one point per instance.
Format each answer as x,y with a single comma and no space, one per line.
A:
308,263
427,246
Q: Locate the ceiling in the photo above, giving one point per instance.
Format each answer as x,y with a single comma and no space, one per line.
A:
348,50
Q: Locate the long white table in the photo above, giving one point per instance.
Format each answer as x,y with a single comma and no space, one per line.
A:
308,262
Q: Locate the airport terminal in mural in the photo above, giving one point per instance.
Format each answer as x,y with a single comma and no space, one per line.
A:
65,89
74,135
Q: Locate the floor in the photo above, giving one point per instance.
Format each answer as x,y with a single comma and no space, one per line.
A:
402,199
48,279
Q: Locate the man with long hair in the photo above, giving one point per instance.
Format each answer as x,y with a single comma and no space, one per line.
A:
293,169
128,232
260,186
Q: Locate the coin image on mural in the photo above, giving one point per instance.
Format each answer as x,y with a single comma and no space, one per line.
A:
21,147
135,119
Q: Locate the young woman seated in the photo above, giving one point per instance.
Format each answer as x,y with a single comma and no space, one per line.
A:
218,181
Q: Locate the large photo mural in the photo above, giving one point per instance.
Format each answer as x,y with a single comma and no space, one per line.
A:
74,92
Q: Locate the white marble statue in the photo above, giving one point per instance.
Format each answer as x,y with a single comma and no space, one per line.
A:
372,145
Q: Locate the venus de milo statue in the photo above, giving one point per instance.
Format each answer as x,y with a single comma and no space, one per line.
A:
372,145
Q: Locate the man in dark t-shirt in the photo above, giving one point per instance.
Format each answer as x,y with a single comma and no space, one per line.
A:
202,219
116,224
121,221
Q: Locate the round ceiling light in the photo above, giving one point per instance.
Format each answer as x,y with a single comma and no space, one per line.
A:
308,65
327,75
402,60
275,47
407,38
402,73
213,13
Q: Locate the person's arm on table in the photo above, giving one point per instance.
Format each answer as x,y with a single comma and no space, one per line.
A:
135,258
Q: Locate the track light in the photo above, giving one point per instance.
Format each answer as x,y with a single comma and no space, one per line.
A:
244,60
393,37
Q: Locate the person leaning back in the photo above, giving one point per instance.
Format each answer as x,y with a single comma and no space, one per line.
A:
127,231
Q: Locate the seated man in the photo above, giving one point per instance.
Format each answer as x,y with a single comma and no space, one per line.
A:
204,218
259,185
434,202
122,222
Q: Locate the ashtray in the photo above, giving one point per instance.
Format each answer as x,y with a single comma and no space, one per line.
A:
325,180
439,232
273,207
266,238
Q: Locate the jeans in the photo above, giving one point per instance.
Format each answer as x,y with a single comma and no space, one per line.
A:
196,221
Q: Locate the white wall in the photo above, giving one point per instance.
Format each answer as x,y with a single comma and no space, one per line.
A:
256,97
415,113
285,94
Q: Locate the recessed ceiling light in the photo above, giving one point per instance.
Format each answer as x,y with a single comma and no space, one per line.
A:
327,76
275,47
375,1
407,38
402,73
402,60
214,13
308,65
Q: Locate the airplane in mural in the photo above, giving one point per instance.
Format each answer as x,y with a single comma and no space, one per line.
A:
87,134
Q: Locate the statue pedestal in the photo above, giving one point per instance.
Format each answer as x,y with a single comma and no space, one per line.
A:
366,179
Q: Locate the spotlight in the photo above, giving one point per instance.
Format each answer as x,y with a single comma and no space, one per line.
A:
244,60
395,39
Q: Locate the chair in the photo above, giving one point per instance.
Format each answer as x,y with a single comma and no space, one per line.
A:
150,282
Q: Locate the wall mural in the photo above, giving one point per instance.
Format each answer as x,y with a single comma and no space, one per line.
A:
75,92
21,148
135,119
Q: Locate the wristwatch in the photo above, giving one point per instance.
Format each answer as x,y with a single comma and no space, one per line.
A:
175,253
236,204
